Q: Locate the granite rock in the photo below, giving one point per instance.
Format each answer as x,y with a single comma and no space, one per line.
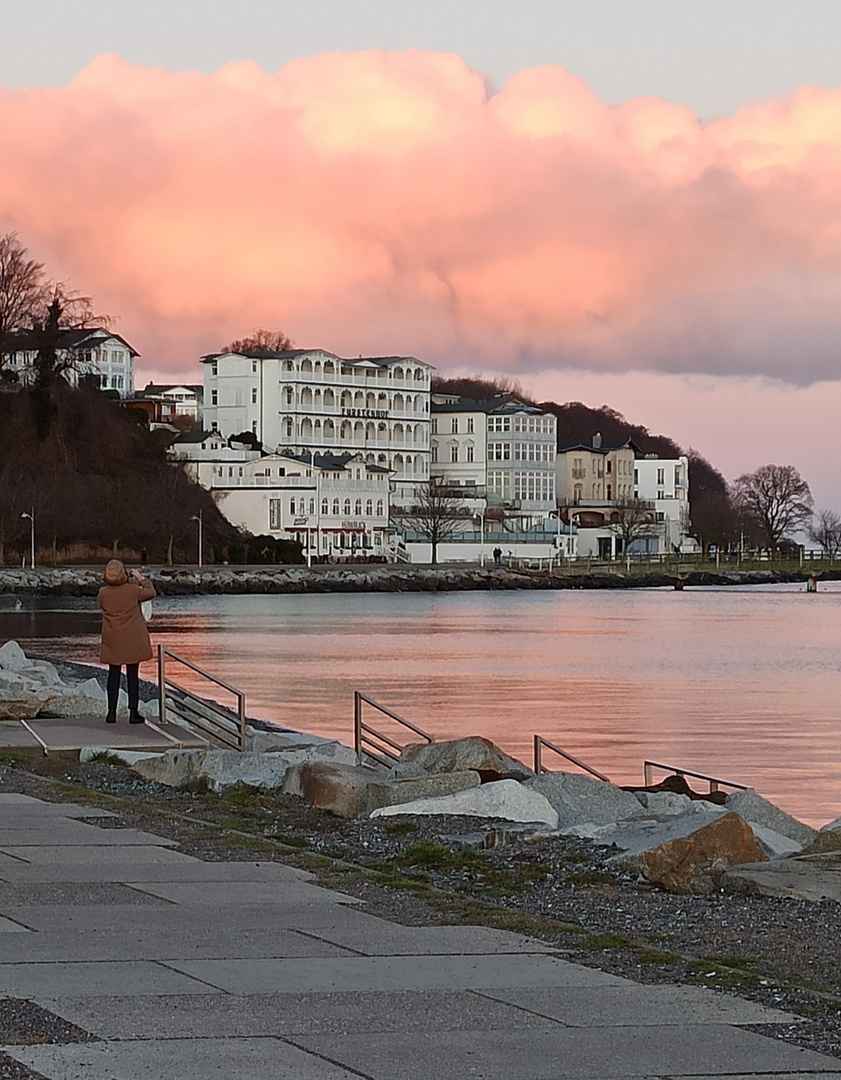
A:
505,799
473,754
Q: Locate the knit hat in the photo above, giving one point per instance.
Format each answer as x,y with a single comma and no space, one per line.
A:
115,573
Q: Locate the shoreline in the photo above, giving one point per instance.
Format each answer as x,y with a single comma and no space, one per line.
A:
380,577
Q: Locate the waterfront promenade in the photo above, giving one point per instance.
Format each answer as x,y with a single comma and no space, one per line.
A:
139,961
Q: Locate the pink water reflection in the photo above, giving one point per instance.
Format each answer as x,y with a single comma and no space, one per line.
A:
743,684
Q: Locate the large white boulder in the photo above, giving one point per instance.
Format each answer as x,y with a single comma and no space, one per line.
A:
174,768
506,799
580,799
756,810
224,768
12,657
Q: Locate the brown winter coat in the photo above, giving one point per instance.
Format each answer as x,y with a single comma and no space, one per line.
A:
125,639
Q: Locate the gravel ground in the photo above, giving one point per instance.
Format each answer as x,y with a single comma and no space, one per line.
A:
418,871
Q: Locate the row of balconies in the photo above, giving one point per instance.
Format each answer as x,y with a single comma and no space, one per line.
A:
334,408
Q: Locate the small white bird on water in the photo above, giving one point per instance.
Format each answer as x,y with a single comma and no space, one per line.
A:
18,604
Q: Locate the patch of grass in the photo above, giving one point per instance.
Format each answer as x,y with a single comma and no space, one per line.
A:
589,877
712,973
606,941
290,840
106,757
401,828
13,758
742,963
243,795
431,853
574,857
656,956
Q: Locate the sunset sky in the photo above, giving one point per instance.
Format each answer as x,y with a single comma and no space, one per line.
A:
631,202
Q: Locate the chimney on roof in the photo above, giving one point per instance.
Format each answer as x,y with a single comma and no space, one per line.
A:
597,441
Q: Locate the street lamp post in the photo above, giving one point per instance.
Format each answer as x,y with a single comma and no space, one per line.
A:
198,518
31,516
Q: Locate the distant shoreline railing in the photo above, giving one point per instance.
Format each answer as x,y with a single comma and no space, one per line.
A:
714,781
540,743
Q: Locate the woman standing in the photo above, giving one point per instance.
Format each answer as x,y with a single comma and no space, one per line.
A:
125,639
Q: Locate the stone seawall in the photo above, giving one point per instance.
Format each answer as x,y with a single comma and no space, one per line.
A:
228,580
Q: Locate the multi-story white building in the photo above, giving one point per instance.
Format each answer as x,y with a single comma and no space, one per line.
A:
665,483
502,446
308,399
171,402
97,353
334,504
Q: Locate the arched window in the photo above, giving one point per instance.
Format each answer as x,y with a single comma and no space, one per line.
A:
369,431
306,396
369,507
347,507
358,431
289,365
380,508
306,365
291,506
325,507
358,400
419,375
329,367
398,403
318,397
370,401
358,508
335,508
312,506
398,373
289,426
346,429
329,429
290,395
329,398
347,399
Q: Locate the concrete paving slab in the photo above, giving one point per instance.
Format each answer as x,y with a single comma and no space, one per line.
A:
95,980
76,834
131,870
359,973
226,1016
632,1004
157,943
43,811
394,940
175,918
14,736
72,733
59,859
9,927
287,888
186,1059
579,1053
32,894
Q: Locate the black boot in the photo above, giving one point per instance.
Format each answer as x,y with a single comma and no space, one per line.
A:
134,717
111,718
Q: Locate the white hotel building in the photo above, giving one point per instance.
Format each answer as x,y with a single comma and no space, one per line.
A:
310,400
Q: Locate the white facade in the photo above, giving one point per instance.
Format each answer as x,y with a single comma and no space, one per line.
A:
665,483
503,446
309,399
180,401
96,353
333,504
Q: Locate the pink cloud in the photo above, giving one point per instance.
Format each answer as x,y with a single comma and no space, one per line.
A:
377,202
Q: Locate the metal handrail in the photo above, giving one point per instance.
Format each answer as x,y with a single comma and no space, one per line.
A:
364,736
539,767
713,781
209,718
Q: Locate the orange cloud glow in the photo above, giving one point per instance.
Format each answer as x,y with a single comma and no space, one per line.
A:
383,203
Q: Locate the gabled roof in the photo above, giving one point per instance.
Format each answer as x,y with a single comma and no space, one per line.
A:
156,389
606,446
28,340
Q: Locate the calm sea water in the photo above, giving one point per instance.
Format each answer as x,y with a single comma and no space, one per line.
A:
744,684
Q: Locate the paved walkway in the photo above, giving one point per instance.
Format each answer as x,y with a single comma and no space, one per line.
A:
246,971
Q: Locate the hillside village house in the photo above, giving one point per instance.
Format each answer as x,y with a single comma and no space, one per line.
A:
98,353
303,400
166,403
600,480
334,504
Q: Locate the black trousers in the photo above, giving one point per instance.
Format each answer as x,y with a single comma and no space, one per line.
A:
132,686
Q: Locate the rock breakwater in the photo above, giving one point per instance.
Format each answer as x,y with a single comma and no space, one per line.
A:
229,580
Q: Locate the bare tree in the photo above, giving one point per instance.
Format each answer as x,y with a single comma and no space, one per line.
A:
776,500
261,341
632,519
24,290
825,531
436,515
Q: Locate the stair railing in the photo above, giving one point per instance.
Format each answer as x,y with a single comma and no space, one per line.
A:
220,726
539,767
714,781
375,745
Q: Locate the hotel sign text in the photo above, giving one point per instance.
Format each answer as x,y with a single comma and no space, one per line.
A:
367,414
